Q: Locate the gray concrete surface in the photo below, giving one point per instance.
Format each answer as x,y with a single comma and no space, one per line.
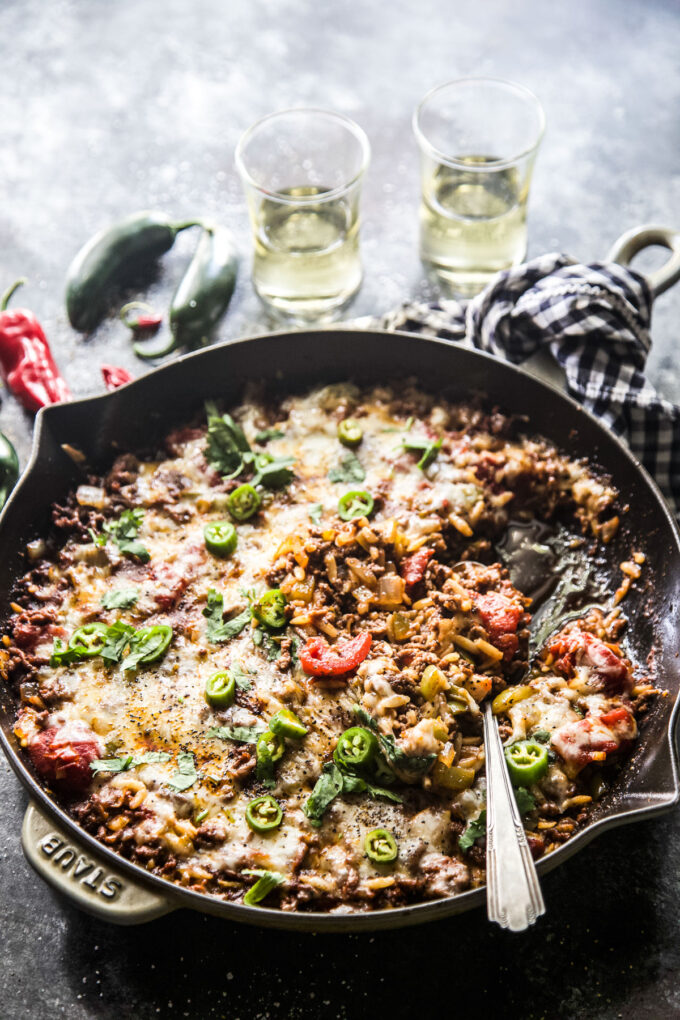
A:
107,108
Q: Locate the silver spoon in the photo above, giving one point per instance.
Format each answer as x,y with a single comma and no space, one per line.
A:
513,893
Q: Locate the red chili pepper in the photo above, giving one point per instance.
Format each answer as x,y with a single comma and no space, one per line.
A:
26,362
318,658
115,376
412,568
148,319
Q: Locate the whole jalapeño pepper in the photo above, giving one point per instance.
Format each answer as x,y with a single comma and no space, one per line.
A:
26,362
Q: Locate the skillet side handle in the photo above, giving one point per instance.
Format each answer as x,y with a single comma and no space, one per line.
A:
633,241
87,880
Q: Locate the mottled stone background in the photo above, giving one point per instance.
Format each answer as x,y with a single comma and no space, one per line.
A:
106,108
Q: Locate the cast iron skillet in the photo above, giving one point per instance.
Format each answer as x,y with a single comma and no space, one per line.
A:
128,419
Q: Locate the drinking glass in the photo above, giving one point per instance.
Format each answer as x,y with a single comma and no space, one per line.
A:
302,171
478,140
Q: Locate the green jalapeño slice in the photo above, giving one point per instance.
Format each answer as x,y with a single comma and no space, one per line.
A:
220,690
152,642
220,538
243,502
527,762
264,814
350,432
270,609
381,846
356,503
356,748
286,724
88,640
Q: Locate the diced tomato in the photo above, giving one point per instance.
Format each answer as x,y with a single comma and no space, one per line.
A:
321,659
63,756
585,740
170,585
412,568
606,671
500,617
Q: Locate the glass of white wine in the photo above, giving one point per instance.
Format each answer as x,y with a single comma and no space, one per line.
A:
478,140
302,171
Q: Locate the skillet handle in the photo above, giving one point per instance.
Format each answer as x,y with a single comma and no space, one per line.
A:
633,241
85,878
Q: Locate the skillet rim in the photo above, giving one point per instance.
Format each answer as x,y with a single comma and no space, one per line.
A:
385,917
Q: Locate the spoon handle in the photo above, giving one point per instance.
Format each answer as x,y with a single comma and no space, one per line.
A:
513,894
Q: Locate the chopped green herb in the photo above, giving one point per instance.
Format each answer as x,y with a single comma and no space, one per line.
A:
186,774
315,513
97,539
348,470
201,816
329,784
542,735
241,676
266,434
380,791
473,830
266,882
229,452
429,448
147,645
525,801
220,629
117,639
62,655
413,764
239,734
124,530
120,598
128,762
273,472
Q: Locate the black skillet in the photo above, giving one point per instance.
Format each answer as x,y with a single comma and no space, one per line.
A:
128,419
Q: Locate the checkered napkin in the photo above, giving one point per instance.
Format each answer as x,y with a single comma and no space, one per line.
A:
595,321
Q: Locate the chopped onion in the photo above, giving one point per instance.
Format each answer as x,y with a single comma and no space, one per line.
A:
91,495
390,591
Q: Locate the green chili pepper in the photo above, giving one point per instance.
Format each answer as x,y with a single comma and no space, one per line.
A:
270,609
264,814
356,748
286,724
356,503
271,745
243,502
268,750
381,846
205,290
110,259
350,432
220,690
89,640
155,640
527,762
9,468
220,538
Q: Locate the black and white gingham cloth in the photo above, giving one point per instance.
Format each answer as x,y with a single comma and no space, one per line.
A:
595,321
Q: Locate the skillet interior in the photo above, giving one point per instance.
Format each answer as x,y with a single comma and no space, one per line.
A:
135,416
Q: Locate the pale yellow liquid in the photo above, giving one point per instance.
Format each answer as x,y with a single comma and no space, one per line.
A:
472,224
306,264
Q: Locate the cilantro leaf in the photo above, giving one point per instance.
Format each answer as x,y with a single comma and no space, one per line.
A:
542,735
241,677
266,434
266,882
272,472
413,764
120,598
380,791
329,784
118,638
128,762
186,774
429,448
112,764
62,655
525,801
353,784
220,629
239,734
348,470
315,512
124,530
473,830
226,444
